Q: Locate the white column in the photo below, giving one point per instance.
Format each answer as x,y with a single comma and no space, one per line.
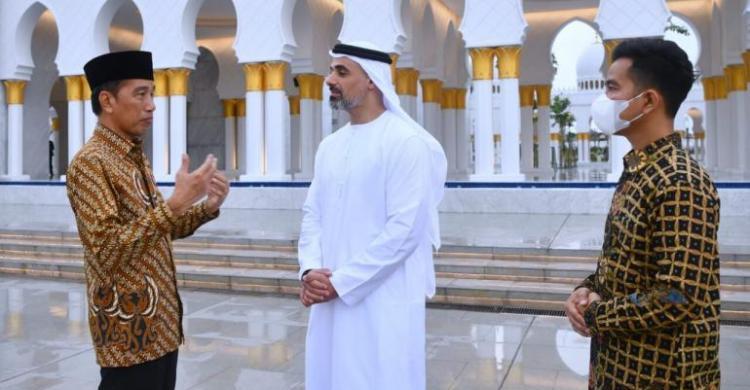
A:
544,160
484,147
15,97
554,138
160,127
580,137
3,132
254,142
275,102
509,62
241,134
463,141
725,127
618,148
710,143
318,122
230,136
54,126
89,118
406,88
178,85
527,128
432,99
737,88
295,137
326,114
74,88
309,87
449,128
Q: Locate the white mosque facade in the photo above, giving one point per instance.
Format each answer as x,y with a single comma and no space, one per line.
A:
243,79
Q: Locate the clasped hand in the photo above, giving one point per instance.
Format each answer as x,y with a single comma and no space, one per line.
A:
317,287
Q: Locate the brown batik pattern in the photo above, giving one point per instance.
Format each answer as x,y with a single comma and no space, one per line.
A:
657,326
126,229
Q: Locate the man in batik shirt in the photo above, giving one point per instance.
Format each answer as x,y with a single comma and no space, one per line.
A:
652,306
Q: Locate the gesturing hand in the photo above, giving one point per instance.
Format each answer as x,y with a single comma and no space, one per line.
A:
317,287
217,192
190,187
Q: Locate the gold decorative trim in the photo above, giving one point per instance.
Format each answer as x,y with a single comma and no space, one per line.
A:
310,85
240,108
543,95
609,48
253,77
294,105
746,62
554,136
14,91
721,87
448,99
230,107
481,63
406,81
736,77
509,62
73,88
460,98
161,83
394,61
85,88
275,74
55,124
432,91
709,88
178,81
526,94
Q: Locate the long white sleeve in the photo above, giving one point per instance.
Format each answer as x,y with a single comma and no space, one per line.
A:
407,205
309,247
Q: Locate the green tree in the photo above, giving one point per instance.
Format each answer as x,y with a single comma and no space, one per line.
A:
564,119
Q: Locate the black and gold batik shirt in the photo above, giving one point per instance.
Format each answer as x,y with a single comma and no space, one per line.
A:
657,325
126,230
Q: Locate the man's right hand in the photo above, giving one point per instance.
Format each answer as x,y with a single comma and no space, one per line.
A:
190,187
316,287
574,308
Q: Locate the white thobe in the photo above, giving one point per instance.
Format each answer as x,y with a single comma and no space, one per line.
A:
366,218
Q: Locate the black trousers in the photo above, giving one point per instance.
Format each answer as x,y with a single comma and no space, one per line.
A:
159,374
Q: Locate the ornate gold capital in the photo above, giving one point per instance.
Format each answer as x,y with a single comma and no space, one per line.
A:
448,99
709,88
406,81
394,61
481,63
721,87
460,98
554,136
253,77
178,81
543,95
240,108
294,105
746,61
230,107
609,48
736,77
309,85
14,90
700,135
161,83
85,88
275,73
55,124
526,93
582,136
509,62
73,88
432,91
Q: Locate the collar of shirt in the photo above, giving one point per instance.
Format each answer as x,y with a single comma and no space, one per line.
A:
636,160
118,144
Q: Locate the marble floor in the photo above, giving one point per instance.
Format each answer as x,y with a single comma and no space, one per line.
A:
245,341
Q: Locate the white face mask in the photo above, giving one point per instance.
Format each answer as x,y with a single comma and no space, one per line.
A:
606,114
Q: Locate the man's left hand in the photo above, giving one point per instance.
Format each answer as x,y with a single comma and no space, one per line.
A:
217,192
317,287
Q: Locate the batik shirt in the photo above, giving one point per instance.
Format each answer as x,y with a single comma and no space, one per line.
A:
657,325
126,229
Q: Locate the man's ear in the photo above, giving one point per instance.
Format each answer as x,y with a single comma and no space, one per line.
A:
652,100
106,101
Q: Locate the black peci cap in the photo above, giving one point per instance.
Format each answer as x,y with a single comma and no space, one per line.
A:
117,66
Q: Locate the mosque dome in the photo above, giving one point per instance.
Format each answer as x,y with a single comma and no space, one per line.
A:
589,64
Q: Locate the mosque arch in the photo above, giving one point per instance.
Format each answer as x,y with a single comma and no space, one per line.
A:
118,26
568,66
692,44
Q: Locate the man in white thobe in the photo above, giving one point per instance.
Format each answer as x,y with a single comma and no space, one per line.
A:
369,227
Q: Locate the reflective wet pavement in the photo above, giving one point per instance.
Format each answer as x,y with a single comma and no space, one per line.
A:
257,342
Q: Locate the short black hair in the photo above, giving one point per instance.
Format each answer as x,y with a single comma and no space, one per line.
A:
661,65
110,86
